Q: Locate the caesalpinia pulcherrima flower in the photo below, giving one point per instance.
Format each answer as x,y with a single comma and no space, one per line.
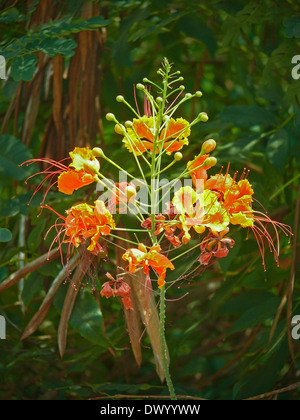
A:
82,171
172,137
142,258
205,210
117,287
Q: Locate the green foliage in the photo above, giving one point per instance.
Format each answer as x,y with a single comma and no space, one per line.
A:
219,321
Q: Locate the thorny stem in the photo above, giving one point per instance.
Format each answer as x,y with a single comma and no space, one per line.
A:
163,343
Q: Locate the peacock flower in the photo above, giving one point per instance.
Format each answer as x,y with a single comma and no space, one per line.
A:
162,224
80,172
236,198
214,245
199,210
198,168
85,169
117,287
140,135
85,221
142,258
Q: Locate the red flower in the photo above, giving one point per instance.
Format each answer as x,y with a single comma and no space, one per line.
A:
117,287
215,245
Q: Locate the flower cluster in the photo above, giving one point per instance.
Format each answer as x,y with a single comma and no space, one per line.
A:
204,210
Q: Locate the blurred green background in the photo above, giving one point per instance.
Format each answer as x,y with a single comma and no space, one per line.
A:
228,328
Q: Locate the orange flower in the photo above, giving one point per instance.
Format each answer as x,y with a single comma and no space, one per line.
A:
70,180
86,167
140,136
80,172
199,166
86,221
140,257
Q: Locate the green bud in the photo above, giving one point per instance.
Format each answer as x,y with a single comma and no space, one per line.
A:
120,98
181,87
110,117
203,116
198,94
159,99
211,161
188,95
128,124
178,156
208,146
139,86
98,152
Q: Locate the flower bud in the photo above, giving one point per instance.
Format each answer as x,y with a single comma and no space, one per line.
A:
208,146
120,129
188,95
211,161
198,94
128,124
178,156
98,152
120,98
203,116
181,87
159,99
130,192
110,117
139,86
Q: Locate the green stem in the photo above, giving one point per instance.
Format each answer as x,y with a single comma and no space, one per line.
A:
163,344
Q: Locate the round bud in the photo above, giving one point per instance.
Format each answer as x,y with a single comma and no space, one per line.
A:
188,95
203,116
98,152
145,80
110,117
139,86
198,94
120,98
128,124
181,87
130,192
211,161
178,156
159,99
119,129
208,146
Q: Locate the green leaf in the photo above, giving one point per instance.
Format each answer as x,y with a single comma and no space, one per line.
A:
5,235
12,153
32,286
256,315
226,262
292,27
36,235
245,301
23,67
247,116
87,318
55,46
277,148
194,27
